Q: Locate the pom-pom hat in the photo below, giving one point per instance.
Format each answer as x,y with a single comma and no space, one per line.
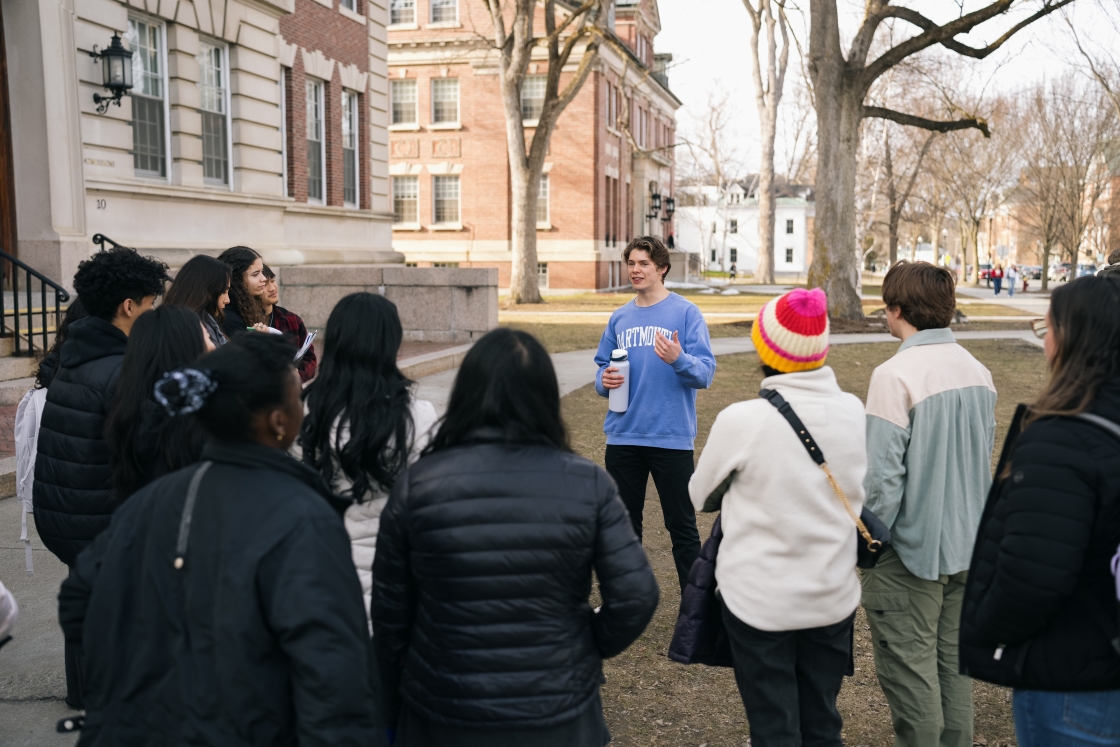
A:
791,332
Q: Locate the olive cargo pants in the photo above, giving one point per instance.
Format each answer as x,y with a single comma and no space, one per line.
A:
915,629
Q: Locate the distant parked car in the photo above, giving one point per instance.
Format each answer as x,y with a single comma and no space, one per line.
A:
1060,271
1034,272
985,272
1083,270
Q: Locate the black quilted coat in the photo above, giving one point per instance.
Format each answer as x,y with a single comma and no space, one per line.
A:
1040,584
481,584
73,501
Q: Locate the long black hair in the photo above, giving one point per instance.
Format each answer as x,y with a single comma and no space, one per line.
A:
48,367
240,259
360,388
199,284
506,383
143,442
1085,320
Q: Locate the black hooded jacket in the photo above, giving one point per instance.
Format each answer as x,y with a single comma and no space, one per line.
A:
260,638
73,498
482,575
1040,585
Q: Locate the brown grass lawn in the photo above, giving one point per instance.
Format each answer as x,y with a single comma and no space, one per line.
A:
651,701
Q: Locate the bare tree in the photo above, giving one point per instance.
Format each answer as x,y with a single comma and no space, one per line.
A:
896,198
570,28
800,142
1100,60
841,85
769,80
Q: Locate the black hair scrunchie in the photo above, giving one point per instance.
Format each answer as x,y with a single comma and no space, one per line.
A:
184,391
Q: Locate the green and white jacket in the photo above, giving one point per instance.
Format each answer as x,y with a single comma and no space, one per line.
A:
930,431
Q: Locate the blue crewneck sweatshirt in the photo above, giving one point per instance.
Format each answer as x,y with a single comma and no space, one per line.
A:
662,409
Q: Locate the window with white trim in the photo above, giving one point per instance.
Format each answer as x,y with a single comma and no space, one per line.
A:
214,110
789,226
406,199
532,97
402,11
351,5
542,200
789,256
445,11
734,254
284,73
350,148
315,142
402,101
149,113
445,100
733,226
542,275
445,199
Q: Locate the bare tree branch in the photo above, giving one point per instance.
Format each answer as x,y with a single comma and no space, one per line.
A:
932,125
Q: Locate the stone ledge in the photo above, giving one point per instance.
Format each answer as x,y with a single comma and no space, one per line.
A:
419,366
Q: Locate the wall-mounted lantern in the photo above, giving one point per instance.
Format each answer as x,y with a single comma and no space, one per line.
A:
654,206
670,208
116,73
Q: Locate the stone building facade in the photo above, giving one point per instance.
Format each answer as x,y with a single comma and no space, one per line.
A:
611,151
211,148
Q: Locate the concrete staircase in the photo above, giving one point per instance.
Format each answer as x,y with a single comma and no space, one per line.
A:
16,373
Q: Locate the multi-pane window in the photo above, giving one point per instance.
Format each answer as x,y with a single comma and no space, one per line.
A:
149,157
445,11
402,11
213,108
445,100
445,191
734,226
315,140
734,254
349,5
350,148
542,200
789,226
542,274
402,97
532,97
789,256
406,199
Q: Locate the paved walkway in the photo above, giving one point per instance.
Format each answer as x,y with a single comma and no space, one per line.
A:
577,368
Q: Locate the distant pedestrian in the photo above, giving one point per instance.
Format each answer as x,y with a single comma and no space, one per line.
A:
1111,263
288,324
247,283
734,272
144,442
786,568
1012,280
73,480
930,429
202,285
670,357
1040,613
363,426
484,564
221,606
997,277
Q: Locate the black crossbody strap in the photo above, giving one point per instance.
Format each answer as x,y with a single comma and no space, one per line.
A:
803,434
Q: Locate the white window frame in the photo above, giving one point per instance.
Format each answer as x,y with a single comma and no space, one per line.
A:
733,226
141,18
227,105
541,79
458,105
458,222
350,5
542,275
790,227
791,256
402,24
415,123
321,85
544,186
356,127
432,15
405,225
284,73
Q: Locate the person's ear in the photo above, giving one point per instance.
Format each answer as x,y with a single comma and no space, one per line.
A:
278,423
127,309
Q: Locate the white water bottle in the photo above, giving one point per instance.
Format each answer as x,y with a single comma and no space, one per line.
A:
620,398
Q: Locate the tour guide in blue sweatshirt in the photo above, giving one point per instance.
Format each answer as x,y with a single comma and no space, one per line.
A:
670,357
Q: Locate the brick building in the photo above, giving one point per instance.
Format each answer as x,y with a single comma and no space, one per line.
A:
211,147
610,154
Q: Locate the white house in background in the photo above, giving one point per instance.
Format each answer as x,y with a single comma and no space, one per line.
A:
723,228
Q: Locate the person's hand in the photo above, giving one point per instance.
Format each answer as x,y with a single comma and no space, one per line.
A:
666,349
612,379
261,327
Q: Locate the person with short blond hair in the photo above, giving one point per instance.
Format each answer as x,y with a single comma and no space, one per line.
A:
930,431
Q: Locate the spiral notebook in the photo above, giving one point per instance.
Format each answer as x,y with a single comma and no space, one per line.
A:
306,344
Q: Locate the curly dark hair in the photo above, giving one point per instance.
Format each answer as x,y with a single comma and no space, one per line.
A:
106,279
240,259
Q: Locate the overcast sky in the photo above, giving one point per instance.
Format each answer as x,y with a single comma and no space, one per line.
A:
709,41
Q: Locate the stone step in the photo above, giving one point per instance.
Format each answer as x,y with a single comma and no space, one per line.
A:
17,368
11,392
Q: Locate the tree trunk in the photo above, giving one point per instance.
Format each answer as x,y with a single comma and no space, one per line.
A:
893,208
1045,267
836,261
523,283
766,208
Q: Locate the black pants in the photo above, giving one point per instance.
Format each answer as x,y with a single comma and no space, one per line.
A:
789,681
631,466
73,657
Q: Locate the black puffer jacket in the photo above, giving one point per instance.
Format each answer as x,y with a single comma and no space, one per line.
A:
481,584
1040,582
259,639
73,499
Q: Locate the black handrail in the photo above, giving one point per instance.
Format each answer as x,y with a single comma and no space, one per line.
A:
101,239
61,296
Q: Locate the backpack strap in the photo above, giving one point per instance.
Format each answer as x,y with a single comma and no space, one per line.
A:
1102,423
188,515
810,444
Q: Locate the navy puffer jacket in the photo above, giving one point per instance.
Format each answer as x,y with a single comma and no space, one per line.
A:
481,584
73,499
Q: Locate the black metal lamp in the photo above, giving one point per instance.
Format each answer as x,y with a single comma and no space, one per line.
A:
655,203
670,208
116,73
